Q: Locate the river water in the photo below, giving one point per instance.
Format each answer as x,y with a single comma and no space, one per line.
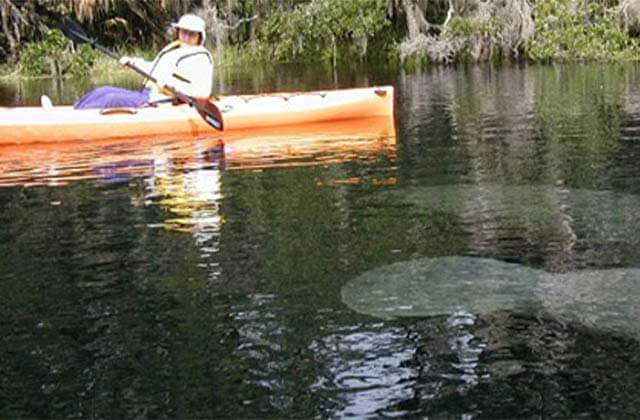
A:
481,263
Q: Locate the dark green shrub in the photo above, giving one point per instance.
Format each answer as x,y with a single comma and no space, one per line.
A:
324,30
589,31
53,56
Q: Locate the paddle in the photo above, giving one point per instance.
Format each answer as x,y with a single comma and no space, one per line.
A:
207,110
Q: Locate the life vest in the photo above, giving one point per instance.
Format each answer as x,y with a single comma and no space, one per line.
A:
187,68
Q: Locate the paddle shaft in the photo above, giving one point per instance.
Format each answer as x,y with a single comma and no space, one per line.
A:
117,57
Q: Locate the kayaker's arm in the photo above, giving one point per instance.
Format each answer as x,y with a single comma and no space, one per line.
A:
140,63
147,66
197,66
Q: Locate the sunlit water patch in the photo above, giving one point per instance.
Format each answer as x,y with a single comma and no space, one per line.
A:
367,368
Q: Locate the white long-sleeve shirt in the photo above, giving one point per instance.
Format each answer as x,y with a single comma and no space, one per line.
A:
193,66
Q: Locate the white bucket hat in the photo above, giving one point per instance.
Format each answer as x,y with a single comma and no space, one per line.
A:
191,23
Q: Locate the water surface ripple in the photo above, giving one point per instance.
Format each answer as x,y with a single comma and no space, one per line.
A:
175,278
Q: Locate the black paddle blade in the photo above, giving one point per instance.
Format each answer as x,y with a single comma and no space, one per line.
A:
72,30
210,113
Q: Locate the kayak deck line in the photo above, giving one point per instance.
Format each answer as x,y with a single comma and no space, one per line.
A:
246,113
287,96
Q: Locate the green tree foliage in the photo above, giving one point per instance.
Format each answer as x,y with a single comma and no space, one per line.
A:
142,23
583,31
324,30
54,56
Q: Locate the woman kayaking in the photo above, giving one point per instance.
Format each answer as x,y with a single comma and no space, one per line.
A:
185,64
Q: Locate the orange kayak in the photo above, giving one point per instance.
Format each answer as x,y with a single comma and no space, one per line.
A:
244,116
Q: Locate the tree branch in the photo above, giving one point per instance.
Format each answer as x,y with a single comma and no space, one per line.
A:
239,22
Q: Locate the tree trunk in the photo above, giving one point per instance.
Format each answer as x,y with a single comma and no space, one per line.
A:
334,51
629,12
416,22
511,20
8,30
54,66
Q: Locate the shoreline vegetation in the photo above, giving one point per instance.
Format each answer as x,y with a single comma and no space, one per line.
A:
409,33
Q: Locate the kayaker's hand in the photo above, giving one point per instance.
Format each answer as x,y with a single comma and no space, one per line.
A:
125,60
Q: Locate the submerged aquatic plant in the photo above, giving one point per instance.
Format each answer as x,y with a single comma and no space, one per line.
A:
577,227
602,299
583,228
442,286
